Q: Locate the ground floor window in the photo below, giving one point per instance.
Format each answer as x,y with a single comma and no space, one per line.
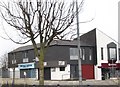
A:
27,73
62,68
108,73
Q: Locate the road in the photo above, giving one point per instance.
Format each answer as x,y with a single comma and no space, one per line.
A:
48,82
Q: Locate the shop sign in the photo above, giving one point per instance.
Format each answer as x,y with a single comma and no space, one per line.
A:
26,66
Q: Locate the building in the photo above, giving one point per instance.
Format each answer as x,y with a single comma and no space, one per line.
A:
61,60
119,24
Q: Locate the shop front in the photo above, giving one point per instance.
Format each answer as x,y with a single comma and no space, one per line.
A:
110,70
27,70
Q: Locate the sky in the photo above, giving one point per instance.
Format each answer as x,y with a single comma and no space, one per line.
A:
104,13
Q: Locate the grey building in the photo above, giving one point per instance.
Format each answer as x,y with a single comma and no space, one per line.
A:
61,60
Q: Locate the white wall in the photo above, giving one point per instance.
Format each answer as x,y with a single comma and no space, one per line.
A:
60,75
102,41
119,23
17,72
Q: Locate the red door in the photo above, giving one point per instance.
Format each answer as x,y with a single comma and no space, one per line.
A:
87,71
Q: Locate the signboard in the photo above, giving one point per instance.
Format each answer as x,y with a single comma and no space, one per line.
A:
26,66
108,65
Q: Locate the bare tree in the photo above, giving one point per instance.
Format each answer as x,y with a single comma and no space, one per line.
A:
46,20
4,61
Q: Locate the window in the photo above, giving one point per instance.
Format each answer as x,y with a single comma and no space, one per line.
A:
73,51
119,54
45,63
73,54
25,59
61,62
53,69
112,53
14,61
25,54
62,68
83,54
90,54
101,53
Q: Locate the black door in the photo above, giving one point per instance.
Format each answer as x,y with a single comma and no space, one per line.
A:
47,73
74,71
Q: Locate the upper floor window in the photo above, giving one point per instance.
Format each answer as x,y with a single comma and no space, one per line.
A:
14,59
45,63
90,54
25,58
101,53
73,51
61,62
73,54
119,53
25,54
83,53
112,51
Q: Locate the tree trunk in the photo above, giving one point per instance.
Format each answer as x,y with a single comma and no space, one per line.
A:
13,82
41,65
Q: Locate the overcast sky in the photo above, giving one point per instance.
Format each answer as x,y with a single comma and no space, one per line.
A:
104,12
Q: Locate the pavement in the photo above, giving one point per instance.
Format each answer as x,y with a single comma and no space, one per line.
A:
49,82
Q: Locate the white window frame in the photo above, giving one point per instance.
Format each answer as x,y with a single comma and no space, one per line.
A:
61,62
25,60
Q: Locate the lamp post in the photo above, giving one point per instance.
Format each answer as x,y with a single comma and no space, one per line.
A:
79,51
112,68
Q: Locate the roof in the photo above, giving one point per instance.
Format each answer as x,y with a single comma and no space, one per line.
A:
53,43
87,39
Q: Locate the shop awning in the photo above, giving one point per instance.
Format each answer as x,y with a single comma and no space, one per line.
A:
108,65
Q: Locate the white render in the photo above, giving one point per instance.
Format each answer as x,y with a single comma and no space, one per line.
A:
17,72
60,75
102,41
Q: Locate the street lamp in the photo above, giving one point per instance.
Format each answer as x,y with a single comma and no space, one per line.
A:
79,51
112,67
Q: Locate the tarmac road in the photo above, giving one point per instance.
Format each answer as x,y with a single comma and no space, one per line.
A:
49,82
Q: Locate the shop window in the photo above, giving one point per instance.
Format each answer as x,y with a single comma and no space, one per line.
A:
62,68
